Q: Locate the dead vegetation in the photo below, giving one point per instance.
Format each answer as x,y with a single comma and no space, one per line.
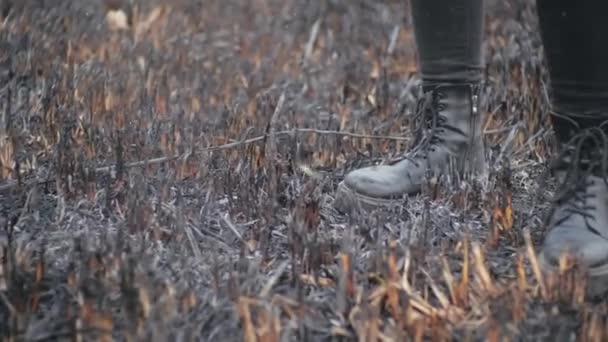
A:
168,170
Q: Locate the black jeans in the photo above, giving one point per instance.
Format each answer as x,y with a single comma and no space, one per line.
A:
449,36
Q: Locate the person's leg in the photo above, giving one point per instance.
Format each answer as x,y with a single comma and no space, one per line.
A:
574,38
449,36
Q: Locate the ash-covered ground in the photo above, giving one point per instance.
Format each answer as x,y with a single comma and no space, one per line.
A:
169,170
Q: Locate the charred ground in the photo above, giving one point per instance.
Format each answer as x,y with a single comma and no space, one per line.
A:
169,170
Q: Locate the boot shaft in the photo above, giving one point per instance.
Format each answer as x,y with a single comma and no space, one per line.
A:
458,106
455,112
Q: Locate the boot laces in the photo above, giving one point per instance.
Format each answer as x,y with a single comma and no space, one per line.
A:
574,195
429,126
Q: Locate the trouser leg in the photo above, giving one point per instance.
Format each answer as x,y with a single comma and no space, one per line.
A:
575,40
449,36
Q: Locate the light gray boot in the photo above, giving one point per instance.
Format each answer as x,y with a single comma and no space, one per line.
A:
578,226
452,137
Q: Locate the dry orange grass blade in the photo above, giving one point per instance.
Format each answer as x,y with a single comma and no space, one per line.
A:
347,276
508,211
188,302
268,325
482,272
502,216
494,331
594,326
462,289
99,321
393,301
244,309
535,265
7,156
522,282
571,280
319,281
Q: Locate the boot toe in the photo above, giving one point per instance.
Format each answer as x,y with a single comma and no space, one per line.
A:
372,187
378,182
589,248
362,181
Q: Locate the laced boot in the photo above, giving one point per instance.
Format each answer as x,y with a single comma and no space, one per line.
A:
451,136
578,223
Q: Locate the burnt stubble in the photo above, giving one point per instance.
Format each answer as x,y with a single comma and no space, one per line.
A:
168,172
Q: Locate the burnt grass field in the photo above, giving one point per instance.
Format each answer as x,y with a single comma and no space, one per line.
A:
168,172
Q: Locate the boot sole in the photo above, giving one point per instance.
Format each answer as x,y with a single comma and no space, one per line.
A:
597,283
346,199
